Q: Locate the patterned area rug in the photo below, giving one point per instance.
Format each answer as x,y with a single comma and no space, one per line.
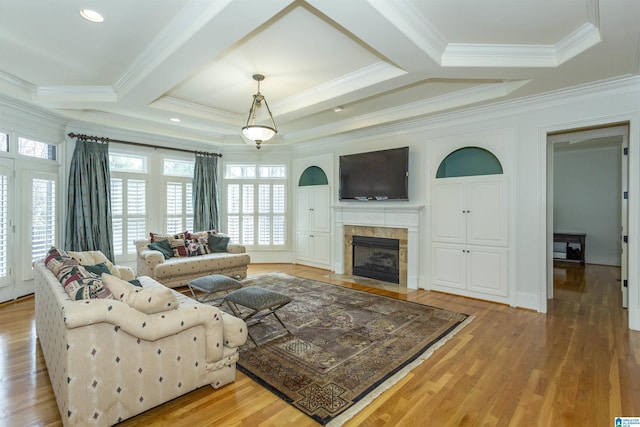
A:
345,348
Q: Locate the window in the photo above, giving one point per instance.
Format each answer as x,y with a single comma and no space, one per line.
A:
179,208
4,142
43,222
178,183
119,162
41,150
174,167
256,204
128,202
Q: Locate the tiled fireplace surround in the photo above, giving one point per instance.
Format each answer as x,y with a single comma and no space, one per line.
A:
372,220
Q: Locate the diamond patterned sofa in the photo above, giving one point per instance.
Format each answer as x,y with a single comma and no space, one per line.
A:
178,270
109,361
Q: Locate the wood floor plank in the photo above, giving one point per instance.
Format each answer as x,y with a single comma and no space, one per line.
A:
576,365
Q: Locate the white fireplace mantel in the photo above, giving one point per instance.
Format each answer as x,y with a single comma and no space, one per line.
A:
367,214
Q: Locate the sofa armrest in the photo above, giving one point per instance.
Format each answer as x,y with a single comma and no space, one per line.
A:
126,273
146,259
233,248
235,330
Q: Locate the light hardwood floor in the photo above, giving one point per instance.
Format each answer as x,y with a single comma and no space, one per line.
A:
577,365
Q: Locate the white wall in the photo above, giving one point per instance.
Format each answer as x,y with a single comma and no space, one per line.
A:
587,188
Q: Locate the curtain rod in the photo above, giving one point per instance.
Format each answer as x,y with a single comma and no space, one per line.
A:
138,144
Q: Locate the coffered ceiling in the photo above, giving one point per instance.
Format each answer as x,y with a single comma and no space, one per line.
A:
382,61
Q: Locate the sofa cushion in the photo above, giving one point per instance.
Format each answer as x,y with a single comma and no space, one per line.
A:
217,243
146,300
164,246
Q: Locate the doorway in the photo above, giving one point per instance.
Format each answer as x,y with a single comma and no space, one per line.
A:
587,193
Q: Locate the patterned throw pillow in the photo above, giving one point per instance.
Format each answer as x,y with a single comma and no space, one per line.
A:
194,248
147,300
76,281
179,248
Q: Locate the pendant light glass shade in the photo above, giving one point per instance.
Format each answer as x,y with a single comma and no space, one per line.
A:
257,132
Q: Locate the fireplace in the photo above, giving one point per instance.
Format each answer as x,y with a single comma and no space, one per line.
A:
376,258
379,220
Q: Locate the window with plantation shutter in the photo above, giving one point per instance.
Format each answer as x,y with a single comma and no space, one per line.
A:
256,205
128,202
43,216
179,208
129,214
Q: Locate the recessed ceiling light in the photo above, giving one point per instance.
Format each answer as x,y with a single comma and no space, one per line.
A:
338,108
91,15
174,119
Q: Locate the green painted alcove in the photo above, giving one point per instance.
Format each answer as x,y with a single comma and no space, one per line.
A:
469,161
313,175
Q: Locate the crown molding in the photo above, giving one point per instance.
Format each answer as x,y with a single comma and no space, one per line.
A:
176,105
415,27
191,18
359,79
59,95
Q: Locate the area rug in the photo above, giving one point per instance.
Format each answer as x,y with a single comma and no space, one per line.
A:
345,347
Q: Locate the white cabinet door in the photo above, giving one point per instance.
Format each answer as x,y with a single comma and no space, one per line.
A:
303,245
321,213
486,213
448,219
321,243
303,209
448,266
487,270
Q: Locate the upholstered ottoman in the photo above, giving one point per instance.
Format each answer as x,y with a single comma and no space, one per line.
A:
260,302
211,289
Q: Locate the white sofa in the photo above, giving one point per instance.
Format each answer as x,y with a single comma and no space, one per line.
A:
109,361
179,270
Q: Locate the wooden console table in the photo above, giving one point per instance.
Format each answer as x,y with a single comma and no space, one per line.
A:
568,238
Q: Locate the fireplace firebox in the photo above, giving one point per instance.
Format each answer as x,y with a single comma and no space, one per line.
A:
376,258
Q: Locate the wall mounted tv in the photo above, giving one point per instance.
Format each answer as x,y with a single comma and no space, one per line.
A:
375,175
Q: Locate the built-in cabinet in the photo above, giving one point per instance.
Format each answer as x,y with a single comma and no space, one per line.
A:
469,236
313,226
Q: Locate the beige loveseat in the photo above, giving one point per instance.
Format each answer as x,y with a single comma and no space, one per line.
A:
109,361
178,270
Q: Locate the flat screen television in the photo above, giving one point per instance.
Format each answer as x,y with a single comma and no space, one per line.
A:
375,175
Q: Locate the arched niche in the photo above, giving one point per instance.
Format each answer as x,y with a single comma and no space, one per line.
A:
469,161
313,175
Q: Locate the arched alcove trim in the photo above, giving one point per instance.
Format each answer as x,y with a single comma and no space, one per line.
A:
313,175
469,161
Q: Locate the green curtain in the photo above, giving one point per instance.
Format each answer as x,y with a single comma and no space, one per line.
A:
206,203
89,201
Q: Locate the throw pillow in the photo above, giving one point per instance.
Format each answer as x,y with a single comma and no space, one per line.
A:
218,243
179,248
97,269
147,300
163,246
194,248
